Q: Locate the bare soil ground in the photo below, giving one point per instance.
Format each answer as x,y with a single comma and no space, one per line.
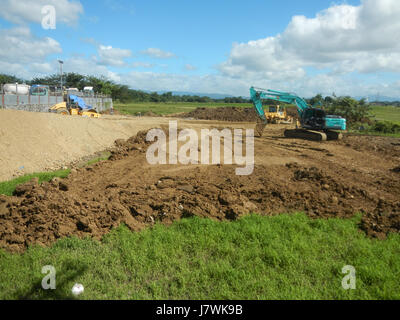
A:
35,142
228,114
222,114
329,179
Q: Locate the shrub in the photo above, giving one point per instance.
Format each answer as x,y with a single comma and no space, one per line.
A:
386,127
352,110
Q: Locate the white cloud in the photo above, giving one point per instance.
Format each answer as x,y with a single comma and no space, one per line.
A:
87,66
42,68
178,82
90,40
24,48
158,53
25,11
113,56
343,38
139,64
189,67
217,83
28,56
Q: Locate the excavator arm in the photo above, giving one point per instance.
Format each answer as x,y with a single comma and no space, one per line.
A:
258,94
256,97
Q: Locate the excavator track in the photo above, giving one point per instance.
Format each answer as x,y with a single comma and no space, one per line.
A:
333,135
313,135
306,134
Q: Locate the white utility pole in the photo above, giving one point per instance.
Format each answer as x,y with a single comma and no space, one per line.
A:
61,73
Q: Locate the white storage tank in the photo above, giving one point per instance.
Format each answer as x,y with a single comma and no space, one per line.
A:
15,88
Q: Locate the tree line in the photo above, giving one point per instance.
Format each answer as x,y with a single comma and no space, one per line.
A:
118,92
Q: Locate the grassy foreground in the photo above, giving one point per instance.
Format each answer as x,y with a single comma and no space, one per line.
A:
281,257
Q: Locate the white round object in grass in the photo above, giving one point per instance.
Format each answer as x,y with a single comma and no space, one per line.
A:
77,289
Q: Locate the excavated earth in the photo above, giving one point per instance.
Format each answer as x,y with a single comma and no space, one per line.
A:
223,114
229,114
333,179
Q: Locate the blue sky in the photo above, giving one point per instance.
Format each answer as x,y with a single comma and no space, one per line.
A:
224,46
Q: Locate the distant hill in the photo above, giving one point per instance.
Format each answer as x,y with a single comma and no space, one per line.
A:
379,98
210,95
200,94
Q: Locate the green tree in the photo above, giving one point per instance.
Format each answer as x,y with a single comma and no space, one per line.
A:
5,78
317,100
349,108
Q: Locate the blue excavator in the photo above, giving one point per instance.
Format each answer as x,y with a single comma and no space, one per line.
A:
314,125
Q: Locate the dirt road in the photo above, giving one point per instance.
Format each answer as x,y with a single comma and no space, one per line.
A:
329,179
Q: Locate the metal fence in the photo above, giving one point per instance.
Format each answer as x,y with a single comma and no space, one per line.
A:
36,103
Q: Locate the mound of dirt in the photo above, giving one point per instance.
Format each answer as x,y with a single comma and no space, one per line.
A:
35,142
150,114
126,189
386,146
383,220
229,114
109,112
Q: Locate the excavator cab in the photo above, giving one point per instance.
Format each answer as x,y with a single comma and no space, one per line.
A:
314,118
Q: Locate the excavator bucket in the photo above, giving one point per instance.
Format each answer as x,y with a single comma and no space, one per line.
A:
259,129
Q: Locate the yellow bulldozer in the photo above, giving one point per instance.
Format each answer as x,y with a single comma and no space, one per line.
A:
277,114
74,105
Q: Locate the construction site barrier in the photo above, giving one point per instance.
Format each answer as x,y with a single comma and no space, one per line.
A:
37,103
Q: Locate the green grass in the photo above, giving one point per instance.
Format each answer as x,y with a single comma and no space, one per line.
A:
374,133
382,114
386,113
169,107
105,156
281,257
8,187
